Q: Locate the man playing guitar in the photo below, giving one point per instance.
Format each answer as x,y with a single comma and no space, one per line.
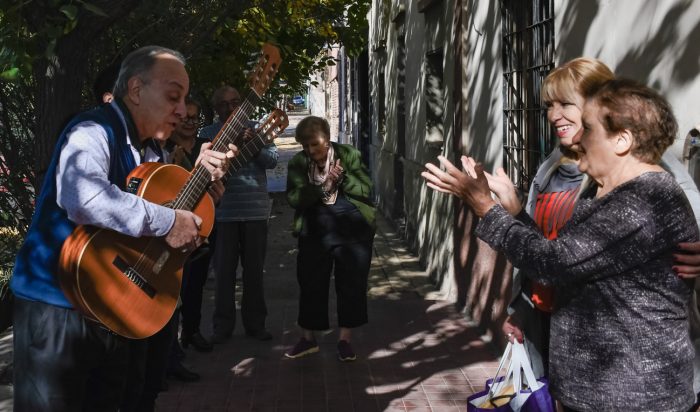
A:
62,360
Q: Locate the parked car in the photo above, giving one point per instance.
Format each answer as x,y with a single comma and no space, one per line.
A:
298,100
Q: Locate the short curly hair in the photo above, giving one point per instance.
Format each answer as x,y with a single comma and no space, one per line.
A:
309,127
629,105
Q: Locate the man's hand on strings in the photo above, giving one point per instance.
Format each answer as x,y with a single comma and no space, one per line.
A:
216,162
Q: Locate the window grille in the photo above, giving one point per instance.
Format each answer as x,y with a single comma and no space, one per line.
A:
434,98
528,55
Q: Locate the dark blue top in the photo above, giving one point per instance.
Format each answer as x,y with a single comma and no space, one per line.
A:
35,276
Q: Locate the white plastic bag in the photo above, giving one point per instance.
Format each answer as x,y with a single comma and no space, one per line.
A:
516,385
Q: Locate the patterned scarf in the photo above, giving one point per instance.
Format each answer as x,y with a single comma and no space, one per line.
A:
318,177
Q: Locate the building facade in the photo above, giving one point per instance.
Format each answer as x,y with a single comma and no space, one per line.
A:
463,77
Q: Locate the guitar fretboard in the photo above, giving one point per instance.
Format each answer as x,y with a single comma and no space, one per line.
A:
200,177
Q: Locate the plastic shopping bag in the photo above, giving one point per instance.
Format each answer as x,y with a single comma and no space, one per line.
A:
512,393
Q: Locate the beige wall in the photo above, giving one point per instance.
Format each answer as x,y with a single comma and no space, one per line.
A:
482,275
428,230
656,42
652,41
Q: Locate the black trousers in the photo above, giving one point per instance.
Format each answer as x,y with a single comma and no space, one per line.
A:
194,276
148,362
350,265
247,242
64,362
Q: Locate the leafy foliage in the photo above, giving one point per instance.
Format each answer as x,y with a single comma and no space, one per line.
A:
16,179
10,241
44,51
24,40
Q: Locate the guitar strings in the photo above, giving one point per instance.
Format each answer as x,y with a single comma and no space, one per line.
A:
199,178
262,75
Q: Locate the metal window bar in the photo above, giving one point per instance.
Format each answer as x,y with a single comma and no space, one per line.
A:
528,55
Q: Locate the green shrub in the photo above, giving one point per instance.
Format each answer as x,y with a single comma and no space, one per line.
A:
10,241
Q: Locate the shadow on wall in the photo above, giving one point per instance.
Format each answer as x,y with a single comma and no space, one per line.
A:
637,62
483,276
649,54
428,130
578,14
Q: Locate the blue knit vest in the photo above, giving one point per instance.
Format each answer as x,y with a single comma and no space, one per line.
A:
35,276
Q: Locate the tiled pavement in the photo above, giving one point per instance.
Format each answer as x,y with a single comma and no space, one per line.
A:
416,354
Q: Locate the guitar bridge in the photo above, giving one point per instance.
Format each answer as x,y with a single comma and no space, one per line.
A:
134,276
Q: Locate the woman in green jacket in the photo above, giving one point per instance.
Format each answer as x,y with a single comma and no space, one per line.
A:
329,188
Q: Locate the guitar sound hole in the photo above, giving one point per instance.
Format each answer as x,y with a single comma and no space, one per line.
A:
134,276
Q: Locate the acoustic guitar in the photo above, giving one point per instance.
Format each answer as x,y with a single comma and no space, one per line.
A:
131,285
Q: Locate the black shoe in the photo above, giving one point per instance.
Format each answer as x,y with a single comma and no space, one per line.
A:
345,352
259,335
181,373
197,341
217,338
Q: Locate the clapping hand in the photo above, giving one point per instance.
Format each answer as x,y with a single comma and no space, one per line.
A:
504,189
471,185
500,185
335,177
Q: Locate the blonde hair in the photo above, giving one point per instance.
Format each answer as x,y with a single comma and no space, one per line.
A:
577,77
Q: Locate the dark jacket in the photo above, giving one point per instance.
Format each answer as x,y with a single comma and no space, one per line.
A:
619,331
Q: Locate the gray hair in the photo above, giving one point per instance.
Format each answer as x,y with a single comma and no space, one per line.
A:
138,62
220,92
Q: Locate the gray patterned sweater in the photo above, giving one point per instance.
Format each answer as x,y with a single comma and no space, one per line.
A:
619,332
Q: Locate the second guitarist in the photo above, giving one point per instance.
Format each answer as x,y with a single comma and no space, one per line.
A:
241,233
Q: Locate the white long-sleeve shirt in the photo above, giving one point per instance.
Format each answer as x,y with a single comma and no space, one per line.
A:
85,193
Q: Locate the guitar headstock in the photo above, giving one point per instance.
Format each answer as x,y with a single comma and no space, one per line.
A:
265,70
273,126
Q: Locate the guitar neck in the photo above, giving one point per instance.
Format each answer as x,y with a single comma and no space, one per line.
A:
200,177
246,151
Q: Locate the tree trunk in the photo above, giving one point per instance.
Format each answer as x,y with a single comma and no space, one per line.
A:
59,85
60,79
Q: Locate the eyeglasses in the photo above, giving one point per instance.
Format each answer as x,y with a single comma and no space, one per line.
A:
233,103
191,119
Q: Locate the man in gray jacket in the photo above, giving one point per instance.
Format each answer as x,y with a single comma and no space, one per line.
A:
241,232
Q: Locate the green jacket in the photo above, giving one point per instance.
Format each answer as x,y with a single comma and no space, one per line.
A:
356,187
